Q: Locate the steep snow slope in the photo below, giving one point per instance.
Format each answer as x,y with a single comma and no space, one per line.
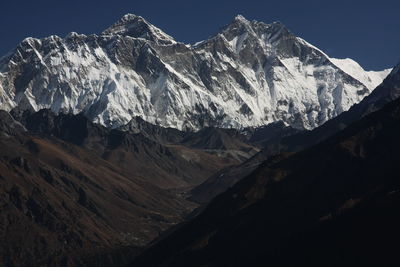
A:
249,74
370,78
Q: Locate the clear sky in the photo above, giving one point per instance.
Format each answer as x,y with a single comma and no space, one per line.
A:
367,31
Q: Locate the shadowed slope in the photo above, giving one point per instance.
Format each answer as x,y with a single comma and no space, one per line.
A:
334,204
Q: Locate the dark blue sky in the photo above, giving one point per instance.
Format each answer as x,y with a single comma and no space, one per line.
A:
367,31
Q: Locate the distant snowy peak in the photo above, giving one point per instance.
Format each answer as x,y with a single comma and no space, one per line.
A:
274,40
241,29
371,79
241,18
137,27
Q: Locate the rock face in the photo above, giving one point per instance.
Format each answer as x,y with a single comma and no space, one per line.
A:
249,74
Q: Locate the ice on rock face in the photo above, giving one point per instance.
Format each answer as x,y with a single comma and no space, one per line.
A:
250,74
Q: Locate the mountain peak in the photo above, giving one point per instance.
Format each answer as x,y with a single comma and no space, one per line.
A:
236,27
136,26
240,25
240,21
130,16
240,18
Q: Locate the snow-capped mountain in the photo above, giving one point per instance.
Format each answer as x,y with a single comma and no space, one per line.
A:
249,74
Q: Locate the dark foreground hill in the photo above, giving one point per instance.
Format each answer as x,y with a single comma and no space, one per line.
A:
334,204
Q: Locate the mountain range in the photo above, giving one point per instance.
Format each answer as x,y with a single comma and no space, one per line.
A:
249,74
